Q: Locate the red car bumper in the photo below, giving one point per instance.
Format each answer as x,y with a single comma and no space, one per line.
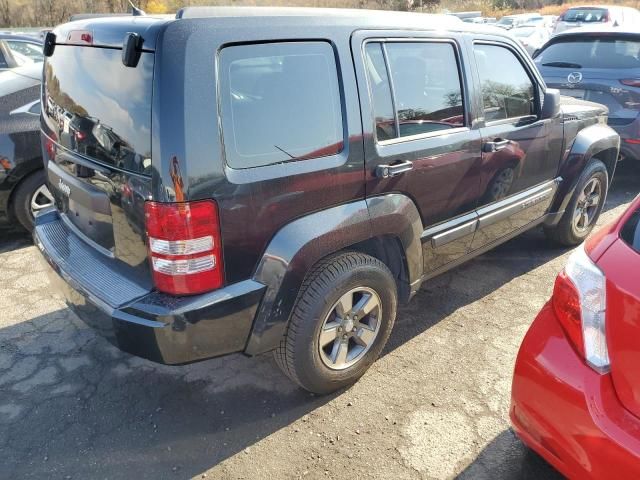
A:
567,412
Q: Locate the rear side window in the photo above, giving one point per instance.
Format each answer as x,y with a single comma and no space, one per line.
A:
279,102
507,89
594,53
630,232
585,15
427,91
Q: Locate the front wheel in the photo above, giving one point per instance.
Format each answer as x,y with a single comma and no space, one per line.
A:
340,323
584,208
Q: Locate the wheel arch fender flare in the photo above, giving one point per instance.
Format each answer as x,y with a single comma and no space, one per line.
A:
299,245
596,141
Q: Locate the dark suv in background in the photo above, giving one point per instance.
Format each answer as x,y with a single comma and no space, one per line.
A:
305,170
599,64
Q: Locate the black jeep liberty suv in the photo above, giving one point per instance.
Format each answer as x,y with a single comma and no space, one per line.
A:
255,180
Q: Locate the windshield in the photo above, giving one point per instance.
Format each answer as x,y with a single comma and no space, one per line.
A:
594,53
505,21
585,15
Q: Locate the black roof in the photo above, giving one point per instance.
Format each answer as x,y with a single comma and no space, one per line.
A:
110,31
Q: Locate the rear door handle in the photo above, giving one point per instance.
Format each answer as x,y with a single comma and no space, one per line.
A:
386,171
497,144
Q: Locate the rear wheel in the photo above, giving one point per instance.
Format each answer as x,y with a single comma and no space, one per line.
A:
584,208
31,196
340,323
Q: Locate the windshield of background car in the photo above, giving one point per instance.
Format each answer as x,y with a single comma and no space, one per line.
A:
585,15
27,49
505,21
593,53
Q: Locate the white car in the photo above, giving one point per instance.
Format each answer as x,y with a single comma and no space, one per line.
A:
531,37
511,21
602,15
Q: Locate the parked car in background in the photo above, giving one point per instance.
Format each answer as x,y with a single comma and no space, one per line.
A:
607,15
531,37
576,384
599,64
341,171
22,179
510,21
17,50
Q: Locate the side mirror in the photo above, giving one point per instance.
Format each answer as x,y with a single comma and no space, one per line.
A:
550,104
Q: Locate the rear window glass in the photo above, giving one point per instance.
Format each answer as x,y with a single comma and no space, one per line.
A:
99,108
280,102
585,15
630,233
596,53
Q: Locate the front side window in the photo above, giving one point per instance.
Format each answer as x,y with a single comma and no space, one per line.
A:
507,89
279,102
427,91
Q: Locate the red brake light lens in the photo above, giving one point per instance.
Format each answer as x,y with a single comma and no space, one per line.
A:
631,82
185,246
579,302
80,37
566,304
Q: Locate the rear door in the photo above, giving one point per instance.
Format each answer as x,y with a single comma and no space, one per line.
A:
418,133
96,124
520,151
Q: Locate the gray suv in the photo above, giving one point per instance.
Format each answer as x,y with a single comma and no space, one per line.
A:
600,65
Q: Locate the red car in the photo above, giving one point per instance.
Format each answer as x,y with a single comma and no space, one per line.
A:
576,386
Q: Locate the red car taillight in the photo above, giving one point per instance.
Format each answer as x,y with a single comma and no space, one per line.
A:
185,246
579,302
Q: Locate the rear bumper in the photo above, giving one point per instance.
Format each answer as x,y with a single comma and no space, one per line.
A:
151,325
567,412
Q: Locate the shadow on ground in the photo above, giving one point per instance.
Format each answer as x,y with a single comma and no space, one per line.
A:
73,406
506,458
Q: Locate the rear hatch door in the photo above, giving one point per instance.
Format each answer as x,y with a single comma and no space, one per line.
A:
599,69
96,125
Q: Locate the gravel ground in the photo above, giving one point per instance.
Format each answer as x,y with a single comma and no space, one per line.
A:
434,406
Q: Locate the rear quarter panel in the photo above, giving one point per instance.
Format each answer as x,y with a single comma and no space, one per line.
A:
254,203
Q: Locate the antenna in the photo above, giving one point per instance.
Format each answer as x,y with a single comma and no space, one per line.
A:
135,11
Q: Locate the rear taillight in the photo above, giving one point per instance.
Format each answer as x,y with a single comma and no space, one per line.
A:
579,302
631,82
185,246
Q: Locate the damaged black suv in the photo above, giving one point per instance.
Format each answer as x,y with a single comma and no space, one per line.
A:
255,180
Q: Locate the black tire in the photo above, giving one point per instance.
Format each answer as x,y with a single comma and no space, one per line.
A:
299,354
566,232
21,200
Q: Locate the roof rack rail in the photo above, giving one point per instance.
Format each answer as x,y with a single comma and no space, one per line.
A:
249,11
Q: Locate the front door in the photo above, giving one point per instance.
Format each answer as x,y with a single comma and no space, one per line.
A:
418,135
520,151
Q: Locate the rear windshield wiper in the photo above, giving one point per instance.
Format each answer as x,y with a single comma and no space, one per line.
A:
562,65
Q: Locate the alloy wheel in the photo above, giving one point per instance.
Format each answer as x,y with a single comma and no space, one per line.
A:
40,200
587,205
350,328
